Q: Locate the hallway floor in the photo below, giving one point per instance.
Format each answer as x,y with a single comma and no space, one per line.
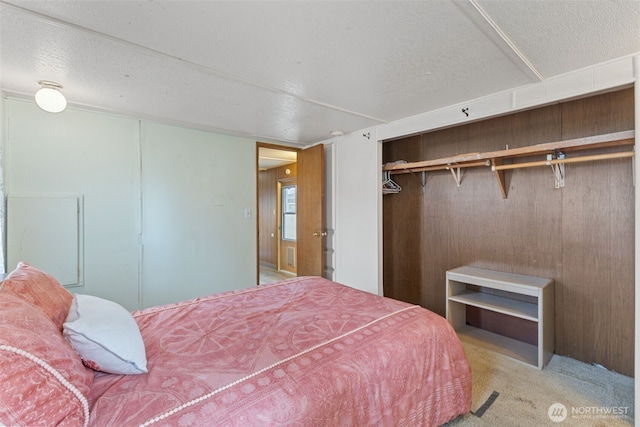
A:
270,275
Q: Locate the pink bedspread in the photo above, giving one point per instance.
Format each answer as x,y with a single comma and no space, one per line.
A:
305,351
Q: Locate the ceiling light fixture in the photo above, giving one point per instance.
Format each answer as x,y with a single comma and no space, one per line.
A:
49,97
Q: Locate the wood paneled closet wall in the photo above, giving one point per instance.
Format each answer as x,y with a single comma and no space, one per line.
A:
581,235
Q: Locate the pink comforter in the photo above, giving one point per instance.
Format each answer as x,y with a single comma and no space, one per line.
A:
305,351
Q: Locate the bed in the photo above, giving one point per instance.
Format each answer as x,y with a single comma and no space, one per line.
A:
302,352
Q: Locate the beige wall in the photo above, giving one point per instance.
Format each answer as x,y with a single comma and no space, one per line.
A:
163,221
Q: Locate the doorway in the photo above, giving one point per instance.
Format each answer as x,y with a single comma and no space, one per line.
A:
308,222
277,212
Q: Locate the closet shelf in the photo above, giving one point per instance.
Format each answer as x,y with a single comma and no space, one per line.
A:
554,152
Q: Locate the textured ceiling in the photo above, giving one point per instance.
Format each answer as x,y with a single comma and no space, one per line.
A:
295,71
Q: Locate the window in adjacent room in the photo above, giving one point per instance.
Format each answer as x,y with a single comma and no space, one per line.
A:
289,212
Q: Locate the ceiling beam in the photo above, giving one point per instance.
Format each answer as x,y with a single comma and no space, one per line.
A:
472,10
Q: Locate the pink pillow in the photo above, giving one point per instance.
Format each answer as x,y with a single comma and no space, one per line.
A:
42,379
41,290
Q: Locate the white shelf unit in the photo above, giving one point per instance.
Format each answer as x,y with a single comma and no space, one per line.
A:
538,308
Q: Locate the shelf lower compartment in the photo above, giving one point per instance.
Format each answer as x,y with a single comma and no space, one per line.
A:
510,347
511,307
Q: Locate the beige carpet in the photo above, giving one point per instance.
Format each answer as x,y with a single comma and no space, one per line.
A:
591,396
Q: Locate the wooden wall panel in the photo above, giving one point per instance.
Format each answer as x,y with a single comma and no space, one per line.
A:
267,227
581,235
598,241
402,276
284,176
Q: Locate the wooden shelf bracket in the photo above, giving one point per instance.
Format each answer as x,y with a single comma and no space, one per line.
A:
499,176
423,180
557,168
457,175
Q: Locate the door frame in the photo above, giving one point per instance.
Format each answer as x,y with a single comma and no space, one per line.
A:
274,147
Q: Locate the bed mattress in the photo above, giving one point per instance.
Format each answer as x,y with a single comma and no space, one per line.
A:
305,351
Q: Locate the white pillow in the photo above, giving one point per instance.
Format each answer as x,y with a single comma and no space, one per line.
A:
105,335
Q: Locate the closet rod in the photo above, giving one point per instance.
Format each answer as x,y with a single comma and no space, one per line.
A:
561,161
442,167
614,139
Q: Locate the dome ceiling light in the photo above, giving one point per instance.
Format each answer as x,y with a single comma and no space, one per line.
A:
49,97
